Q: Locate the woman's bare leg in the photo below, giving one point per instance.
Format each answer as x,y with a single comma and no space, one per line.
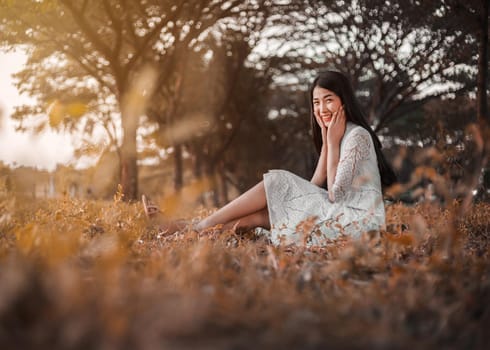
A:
258,219
242,207
247,211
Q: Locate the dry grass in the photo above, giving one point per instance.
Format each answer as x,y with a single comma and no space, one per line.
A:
87,274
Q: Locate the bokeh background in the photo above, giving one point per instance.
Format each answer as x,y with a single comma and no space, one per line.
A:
160,95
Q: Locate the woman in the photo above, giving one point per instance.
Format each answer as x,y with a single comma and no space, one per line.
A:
345,192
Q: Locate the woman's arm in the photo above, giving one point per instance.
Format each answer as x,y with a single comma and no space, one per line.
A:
356,148
320,175
332,164
326,167
335,133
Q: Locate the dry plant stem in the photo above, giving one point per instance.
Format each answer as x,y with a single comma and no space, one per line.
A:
249,209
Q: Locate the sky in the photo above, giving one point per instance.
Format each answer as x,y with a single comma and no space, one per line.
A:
43,151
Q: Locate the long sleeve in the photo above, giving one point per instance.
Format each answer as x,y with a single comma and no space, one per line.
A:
354,150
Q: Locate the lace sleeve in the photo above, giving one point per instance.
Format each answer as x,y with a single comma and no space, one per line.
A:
355,149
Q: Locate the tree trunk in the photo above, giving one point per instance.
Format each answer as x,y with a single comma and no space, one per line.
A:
214,186
198,160
215,189
129,167
482,108
224,186
198,166
481,93
178,175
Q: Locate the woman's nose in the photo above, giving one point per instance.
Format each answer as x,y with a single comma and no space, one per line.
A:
323,107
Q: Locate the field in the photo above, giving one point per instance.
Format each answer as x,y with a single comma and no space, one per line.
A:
78,274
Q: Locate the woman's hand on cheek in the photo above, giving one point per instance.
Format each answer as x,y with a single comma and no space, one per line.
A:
319,121
336,129
323,129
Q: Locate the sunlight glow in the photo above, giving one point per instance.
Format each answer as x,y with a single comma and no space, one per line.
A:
43,151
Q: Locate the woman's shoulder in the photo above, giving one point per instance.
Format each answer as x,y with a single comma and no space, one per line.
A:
357,137
353,129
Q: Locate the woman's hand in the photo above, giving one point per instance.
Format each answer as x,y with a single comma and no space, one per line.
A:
335,132
324,130
336,128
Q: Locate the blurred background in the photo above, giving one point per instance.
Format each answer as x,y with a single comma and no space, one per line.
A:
159,96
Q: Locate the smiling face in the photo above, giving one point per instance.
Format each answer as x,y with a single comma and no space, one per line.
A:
325,103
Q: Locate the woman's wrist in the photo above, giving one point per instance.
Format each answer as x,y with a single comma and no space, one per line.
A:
332,144
324,147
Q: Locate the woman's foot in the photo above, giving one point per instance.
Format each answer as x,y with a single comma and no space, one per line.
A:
202,224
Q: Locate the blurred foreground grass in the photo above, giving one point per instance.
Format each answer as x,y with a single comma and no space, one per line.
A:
87,274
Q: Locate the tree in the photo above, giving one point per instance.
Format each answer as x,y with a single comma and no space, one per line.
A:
393,51
482,83
95,55
216,70
471,16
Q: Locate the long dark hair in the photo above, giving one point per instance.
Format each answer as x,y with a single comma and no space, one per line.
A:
340,85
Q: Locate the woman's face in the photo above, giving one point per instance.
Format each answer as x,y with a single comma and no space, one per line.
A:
325,103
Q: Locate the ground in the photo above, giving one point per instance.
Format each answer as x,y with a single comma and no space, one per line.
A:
78,274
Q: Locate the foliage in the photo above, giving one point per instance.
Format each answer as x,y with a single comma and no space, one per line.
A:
86,274
393,51
229,65
111,58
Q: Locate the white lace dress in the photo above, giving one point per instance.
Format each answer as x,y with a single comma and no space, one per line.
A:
301,213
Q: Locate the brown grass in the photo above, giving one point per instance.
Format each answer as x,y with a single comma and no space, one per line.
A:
87,274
